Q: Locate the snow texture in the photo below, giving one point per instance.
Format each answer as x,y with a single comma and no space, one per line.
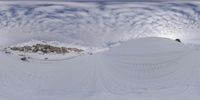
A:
132,69
168,69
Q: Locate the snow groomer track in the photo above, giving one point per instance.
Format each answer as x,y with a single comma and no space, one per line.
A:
136,63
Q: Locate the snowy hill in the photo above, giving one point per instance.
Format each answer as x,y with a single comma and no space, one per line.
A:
148,66
144,69
130,61
48,50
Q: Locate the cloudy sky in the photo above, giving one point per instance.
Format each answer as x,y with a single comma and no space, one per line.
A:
107,0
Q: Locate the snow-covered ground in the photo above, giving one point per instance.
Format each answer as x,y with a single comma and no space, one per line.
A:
129,62
49,56
142,69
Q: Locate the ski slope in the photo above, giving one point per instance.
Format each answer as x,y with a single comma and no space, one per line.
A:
146,68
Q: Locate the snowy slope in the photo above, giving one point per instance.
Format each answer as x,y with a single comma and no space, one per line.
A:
139,69
52,79
142,69
148,66
51,56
